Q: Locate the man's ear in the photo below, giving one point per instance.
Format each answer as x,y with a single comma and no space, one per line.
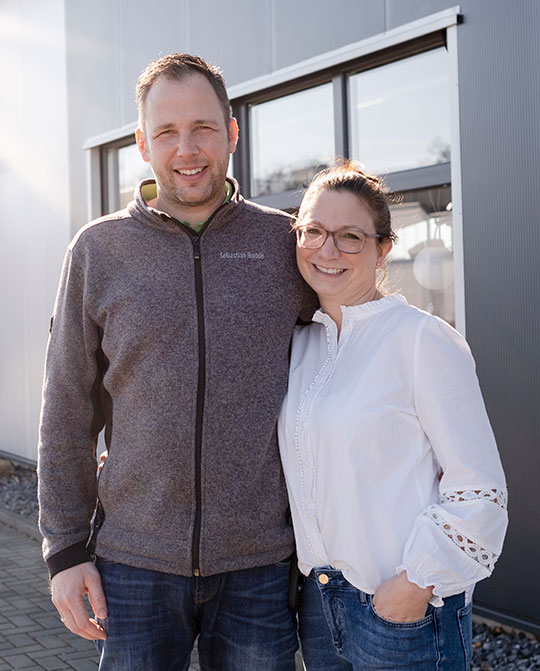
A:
233,135
141,144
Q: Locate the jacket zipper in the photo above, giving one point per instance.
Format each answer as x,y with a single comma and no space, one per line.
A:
201,384
201,388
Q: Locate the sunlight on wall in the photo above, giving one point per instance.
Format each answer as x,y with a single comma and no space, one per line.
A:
34,226
33,110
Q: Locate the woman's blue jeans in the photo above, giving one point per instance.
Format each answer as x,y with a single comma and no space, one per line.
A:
340,631
241,618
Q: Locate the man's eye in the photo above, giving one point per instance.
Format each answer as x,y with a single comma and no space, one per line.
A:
312,231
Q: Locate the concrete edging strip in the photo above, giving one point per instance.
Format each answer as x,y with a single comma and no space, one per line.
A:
22,524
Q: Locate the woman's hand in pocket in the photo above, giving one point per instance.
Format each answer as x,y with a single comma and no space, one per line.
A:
399,600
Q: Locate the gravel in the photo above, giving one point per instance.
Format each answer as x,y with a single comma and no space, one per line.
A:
18,492
494,649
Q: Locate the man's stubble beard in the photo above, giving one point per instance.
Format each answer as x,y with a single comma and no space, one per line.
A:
181,195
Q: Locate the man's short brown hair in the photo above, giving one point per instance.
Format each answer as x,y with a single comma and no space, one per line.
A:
178,67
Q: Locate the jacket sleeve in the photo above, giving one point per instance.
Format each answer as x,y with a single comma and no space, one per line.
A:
455,542
71,419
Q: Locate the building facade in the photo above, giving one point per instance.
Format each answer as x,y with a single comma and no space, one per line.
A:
442,99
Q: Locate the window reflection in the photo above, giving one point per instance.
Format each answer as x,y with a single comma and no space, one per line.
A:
131,170
291,138
422,260
400,113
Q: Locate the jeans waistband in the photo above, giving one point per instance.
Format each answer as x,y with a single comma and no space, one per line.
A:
329,578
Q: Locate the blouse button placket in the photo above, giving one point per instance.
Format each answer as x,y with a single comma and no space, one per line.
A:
303,441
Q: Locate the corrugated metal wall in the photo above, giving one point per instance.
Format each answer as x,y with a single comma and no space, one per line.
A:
499,79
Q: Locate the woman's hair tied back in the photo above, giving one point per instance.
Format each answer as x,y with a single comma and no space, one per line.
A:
348,175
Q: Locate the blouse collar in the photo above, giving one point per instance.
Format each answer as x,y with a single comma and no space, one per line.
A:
357,312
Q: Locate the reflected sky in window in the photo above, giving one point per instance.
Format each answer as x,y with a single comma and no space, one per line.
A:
291,138
400,113
131,170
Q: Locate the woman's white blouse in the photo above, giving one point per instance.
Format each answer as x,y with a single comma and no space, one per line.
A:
389,457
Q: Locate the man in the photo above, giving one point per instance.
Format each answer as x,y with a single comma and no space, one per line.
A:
171,330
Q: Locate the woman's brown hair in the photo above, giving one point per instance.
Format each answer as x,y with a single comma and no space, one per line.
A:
345,175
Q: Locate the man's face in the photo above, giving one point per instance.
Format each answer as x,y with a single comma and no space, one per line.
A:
187,142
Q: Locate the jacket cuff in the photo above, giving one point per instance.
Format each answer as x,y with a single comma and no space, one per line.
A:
70,556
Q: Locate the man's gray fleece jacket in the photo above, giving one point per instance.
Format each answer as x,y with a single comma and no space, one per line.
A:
177,344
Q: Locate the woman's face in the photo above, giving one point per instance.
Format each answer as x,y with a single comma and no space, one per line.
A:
337,277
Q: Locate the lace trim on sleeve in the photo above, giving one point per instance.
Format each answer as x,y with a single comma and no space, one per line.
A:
498,496
484,557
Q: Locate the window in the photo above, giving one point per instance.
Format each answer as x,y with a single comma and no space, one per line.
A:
131,170
400,113
421,261
122,168
392,114
291,138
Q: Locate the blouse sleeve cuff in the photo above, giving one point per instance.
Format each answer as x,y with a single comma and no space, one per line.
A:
436,599
440,591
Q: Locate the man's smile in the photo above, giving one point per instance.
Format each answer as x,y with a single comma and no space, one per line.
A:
188,171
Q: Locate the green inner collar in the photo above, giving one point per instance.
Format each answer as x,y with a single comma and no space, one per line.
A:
149,192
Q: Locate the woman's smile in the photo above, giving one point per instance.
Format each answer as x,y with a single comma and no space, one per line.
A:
329,271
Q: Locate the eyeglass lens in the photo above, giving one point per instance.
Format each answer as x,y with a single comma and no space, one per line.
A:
312,237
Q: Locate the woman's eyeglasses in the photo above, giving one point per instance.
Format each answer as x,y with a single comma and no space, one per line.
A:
347,240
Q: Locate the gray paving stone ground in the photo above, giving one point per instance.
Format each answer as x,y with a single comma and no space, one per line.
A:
31,634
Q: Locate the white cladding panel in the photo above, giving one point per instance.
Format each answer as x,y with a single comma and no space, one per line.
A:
34,191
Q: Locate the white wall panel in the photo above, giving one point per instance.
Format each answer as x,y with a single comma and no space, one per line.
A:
34,191
307,28
145,33
236,36
398,12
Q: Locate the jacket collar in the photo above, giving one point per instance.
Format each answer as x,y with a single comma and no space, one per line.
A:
139,209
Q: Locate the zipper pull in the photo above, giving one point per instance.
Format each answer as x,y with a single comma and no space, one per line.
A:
196,249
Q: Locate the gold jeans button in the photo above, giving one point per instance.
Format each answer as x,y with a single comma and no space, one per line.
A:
323,579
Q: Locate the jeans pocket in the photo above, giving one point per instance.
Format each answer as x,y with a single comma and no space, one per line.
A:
427,619
464,617
399,645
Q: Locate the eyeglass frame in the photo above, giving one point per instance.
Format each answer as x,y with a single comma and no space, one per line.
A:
297,230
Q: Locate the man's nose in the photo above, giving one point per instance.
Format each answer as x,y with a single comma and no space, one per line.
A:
186,145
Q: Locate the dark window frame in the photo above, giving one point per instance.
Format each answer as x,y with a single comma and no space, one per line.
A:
110,173
415,178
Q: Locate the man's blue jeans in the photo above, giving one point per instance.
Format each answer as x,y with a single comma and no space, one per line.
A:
241,617
340,631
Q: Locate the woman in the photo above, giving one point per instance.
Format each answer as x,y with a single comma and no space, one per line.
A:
397,493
